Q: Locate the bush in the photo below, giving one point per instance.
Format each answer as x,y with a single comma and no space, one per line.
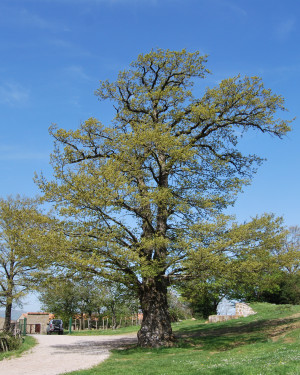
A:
288,291
9,341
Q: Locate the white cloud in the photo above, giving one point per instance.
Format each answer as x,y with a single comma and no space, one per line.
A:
153,2
24,156
13,94
34,20
235,8
69,48
116,2
11,16
21,16
232,7
8,152
285,28
77,72
283,69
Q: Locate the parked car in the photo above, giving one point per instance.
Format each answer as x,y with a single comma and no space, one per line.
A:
55,325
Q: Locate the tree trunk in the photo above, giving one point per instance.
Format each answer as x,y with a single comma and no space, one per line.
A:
7,321
156,327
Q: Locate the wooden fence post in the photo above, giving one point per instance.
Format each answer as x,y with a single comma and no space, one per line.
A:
25,326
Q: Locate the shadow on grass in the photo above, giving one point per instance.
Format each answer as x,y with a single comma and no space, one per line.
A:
94,347
224,336
231,334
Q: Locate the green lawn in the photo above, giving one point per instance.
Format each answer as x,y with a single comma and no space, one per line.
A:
28,343
265,343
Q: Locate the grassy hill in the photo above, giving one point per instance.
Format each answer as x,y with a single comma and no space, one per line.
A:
265,343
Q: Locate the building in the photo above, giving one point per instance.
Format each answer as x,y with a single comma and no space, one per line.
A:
36,322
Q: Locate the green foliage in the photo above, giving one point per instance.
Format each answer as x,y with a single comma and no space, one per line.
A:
236,260
80,294
23,227
11,342
118,302
287,291
62,297
178,308
290,289
132,192
203,299
286,286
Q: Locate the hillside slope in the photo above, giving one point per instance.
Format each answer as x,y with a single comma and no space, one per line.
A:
265,343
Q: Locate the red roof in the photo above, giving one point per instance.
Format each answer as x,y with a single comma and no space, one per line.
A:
38,313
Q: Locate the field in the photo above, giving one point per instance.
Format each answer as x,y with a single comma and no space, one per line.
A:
265,343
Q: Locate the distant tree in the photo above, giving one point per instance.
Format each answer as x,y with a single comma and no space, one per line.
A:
202,297
290,252
290,289
288,286
70,296
133,190
22,229
61,298
235,260
118,301
178,308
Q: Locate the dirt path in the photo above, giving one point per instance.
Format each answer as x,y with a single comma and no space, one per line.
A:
56,354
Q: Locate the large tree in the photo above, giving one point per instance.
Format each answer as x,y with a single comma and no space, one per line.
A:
22,228
168,160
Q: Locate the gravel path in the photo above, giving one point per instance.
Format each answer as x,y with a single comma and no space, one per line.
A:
56,354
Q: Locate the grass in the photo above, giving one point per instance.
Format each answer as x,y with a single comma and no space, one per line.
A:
29,342
265,343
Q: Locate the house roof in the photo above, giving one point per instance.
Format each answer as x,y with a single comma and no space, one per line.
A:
38,313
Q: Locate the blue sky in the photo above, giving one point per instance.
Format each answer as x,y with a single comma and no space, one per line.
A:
54,52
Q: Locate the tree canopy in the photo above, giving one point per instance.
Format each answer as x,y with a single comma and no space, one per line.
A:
131,191
234,260
22,228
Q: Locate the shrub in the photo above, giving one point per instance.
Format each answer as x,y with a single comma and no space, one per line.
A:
9,341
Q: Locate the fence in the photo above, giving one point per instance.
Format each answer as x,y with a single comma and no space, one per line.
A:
3,344
105,322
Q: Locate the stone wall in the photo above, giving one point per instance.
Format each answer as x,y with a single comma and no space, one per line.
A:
221,318
241,310
36,322
40,317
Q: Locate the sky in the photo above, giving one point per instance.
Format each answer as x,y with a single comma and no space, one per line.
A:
54,52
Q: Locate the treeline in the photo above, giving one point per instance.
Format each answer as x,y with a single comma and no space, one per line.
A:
263,266
253,261
86,299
